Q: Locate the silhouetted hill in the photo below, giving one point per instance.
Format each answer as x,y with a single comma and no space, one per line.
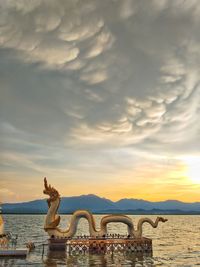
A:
36,206
163,205
102,205
89,202
67,205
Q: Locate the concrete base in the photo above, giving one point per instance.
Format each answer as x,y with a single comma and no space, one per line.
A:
58,244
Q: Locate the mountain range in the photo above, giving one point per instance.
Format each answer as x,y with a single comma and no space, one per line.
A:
102,205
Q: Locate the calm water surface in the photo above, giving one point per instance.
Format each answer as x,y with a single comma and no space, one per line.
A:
175,243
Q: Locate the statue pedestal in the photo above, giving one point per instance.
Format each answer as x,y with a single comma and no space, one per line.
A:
140,245
101,245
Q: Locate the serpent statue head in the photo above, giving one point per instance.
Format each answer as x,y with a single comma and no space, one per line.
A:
50,191
161,219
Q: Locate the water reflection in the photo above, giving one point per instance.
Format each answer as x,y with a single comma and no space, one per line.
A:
55,259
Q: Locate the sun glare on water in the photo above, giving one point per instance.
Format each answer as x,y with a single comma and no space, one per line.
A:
193,169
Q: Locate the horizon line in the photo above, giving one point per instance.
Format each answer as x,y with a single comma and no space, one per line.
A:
90,194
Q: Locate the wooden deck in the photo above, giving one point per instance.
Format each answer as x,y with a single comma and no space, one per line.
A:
18,252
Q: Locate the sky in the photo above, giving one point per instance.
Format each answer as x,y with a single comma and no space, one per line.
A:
100,97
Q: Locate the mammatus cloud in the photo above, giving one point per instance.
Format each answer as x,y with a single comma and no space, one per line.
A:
79,79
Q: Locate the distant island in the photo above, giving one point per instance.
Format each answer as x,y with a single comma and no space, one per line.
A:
100,205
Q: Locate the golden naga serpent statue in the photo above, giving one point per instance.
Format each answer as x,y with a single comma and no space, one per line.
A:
53,219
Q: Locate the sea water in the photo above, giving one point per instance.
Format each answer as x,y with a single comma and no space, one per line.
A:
175,243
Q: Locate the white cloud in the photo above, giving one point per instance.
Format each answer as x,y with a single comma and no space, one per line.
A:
103,42
94,77
127,9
